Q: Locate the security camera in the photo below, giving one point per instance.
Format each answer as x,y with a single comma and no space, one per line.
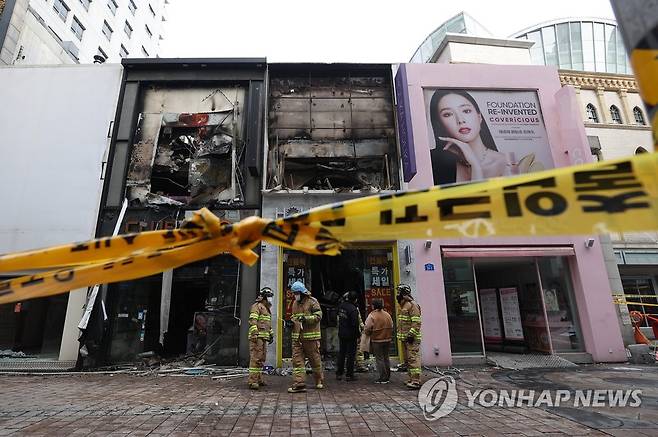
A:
589,243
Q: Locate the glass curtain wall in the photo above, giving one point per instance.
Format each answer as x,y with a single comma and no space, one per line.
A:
579,45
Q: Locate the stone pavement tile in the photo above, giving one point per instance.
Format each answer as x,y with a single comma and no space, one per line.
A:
403,433
321,433
341,429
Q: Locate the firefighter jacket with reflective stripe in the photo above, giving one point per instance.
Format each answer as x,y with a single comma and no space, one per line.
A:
260,321
409,320
306,316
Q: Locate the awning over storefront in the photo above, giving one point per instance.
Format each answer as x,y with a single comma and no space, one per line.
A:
511,251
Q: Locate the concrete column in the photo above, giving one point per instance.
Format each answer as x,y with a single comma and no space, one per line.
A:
249,278
68,350
628,114
603,105
579,101
616,286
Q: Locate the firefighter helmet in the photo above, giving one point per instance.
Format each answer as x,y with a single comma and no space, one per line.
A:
264,293
403,290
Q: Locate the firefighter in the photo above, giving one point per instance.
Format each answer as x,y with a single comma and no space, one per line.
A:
409,334
260,331
306,316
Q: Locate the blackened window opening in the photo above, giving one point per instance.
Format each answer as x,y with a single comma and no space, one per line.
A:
331,130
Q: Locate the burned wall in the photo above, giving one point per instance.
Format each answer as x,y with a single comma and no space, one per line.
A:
331,129
187,147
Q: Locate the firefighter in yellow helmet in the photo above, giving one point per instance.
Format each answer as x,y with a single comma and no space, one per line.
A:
306,316
260,333
409,334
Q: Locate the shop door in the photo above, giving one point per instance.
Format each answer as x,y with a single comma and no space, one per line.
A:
511,304
463,310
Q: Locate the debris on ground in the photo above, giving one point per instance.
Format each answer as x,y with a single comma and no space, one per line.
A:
8,353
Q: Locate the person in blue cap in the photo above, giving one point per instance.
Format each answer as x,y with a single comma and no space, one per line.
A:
306,316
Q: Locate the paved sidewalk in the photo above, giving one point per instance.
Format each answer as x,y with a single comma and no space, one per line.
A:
188,405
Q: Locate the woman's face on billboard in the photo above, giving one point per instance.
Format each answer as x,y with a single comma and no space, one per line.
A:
459,117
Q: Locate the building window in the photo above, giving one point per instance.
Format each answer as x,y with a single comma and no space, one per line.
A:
86,3
77,28
132,7
615,114
112,6
123,52
595,147
639,117
62,10
148,31
128,29
102,52
144,52
576,46
592,116
550,45
640,291
107,30
537,50
151,10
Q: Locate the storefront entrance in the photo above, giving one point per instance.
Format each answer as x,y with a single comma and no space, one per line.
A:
33,327
368,271
511,304
202,318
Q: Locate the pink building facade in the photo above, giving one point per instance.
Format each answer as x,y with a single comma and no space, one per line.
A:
526,295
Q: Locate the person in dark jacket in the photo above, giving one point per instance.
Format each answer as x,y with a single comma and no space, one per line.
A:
349,332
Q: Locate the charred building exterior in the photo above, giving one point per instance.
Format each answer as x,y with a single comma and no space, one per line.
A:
331,136
243,138
187,134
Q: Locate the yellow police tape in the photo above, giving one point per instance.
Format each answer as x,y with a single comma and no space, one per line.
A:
614,196
622,296
616,302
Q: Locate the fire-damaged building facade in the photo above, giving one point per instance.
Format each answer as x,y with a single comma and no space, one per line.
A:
242,138
187,134
331,136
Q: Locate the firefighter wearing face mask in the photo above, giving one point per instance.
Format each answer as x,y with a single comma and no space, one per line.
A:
306,316
260,332
409,334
